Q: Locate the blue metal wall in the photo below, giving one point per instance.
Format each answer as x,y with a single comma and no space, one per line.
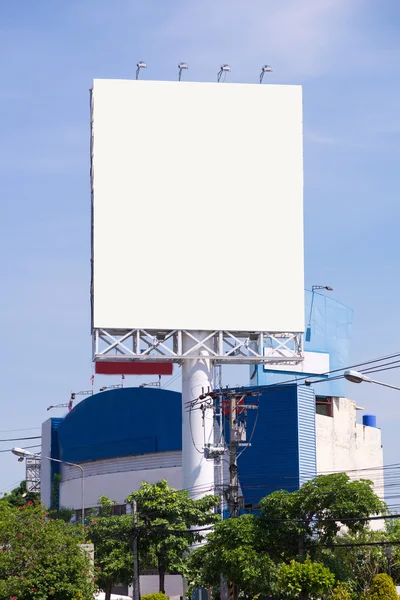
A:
55,467
129,421
328,329
282,453
122,422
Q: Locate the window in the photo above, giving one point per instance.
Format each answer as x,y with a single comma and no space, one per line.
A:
119,509
324,406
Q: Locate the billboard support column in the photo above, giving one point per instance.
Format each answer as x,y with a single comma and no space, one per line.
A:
197,424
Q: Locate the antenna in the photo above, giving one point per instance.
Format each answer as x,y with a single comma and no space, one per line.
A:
140,65
265,69
224,69
181,66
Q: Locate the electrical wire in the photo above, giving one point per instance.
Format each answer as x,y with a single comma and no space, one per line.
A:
35,437
14,430
25,448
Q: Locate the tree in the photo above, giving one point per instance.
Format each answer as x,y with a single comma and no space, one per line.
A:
295,522
41,558
304,581
165,518
19,496
353,563
233,549
112,537
382,588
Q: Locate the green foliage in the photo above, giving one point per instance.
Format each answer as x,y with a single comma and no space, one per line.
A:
156,596
165,516
296,521
355,564
382,588
308,580
234,550
65,514
55,491
40,558
112,537
342,592
19,496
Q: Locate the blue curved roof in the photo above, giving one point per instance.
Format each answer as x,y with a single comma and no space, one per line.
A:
122,422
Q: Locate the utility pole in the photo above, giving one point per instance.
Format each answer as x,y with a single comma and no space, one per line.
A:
136,575
233,469
237,435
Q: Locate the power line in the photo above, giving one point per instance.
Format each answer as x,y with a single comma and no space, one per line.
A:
35,437
25,448
14,430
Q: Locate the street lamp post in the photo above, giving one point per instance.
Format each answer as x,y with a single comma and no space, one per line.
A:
21,453
356,377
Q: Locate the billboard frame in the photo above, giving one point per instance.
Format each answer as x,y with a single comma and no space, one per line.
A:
233,347
167,345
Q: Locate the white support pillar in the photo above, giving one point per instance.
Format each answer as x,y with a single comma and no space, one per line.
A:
197,375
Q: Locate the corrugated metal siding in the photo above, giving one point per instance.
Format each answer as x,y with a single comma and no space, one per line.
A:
124,464
307,434
272,461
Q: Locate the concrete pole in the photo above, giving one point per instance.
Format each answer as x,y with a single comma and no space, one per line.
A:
197,378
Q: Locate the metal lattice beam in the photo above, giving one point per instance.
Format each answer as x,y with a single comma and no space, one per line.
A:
222,346
32,464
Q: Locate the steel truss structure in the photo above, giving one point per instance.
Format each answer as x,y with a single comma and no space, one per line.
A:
32,465
233,347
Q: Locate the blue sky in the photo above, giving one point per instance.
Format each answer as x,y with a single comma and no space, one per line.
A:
345,54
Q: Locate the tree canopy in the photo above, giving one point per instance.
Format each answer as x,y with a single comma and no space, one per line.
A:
170,521
294,531
296,521
41,558
112,538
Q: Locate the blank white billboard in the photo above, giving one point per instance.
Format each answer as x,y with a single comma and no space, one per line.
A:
197,206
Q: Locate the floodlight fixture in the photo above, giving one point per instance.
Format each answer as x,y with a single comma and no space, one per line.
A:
182,66
265,69
224,69
140,65
322,287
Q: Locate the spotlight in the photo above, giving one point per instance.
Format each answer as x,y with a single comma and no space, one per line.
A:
224,69
181,66
265,69
140,65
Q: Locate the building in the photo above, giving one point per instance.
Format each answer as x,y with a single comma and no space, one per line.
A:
124,436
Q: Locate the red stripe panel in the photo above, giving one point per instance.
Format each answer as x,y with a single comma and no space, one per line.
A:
133,368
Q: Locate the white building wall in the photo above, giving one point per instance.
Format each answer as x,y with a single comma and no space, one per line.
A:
45,466
345,445
118,477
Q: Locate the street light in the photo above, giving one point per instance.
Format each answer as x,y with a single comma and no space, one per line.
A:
21,453
356,377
